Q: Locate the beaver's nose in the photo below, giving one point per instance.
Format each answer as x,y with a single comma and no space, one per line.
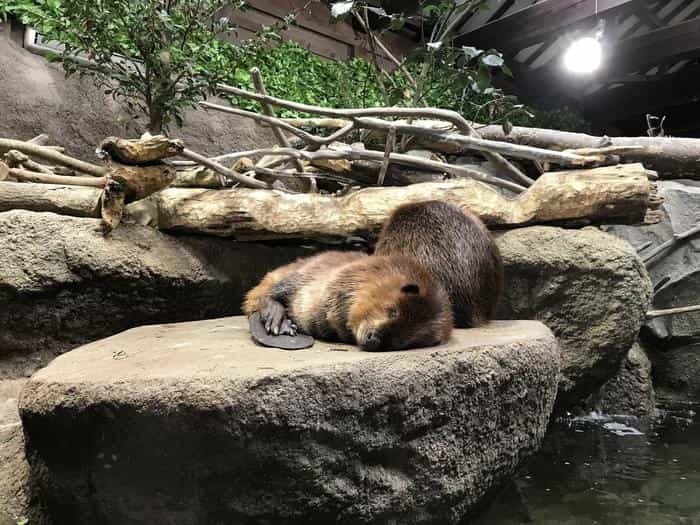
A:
371,342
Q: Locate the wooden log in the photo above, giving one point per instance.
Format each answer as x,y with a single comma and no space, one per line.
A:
141,151
141,181
112,209
198,177
610,194
67,200
671,157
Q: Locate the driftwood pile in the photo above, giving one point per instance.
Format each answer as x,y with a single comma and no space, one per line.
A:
341,172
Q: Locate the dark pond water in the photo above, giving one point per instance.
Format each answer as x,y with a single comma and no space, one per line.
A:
608,471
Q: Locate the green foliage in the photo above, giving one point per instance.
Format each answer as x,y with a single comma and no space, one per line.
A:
159,57
156,56
292,72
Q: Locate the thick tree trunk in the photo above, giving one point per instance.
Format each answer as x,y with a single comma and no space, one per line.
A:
78,201
672,158
611,194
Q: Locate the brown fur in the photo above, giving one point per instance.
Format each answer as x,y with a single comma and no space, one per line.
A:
380,303
456,248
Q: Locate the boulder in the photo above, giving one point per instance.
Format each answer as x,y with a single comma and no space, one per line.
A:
673,340
63,283
677,373
192,423
631,391
590,288
676,272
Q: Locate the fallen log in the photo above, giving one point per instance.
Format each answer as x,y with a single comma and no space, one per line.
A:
603,195
138,181
78,201
672,158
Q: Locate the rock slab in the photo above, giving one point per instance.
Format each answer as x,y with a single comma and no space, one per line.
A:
192,423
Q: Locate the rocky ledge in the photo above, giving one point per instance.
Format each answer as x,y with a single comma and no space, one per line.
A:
192,423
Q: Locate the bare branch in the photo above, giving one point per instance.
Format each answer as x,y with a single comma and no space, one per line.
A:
248,182
267,109
390,145
673,311
53,156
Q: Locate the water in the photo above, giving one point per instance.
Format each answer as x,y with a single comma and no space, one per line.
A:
608,471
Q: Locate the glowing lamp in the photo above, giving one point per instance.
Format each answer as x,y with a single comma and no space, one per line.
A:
584,55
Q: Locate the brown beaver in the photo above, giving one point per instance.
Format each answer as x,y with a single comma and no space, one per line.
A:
456,248
378,302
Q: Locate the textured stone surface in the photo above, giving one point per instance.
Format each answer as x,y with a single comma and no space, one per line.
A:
675,273
192,423
677,372
673,341
63,284
631,390
14,471
36,98
588,287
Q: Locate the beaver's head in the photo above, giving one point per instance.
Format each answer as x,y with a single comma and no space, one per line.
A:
401,307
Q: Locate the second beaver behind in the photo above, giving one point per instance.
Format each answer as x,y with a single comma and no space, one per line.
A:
456,248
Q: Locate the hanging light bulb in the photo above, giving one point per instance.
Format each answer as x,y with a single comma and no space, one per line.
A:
585,55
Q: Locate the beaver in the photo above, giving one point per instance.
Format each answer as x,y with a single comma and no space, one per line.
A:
377,302
455,246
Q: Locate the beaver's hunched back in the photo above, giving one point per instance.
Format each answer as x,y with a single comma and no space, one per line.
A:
457,248
380,303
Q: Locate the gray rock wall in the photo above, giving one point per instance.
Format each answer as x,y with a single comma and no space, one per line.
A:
36,98
673,341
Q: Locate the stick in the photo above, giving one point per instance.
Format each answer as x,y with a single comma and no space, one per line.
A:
677,237
32,176
672,311
390,145
40,140
267,109
53,156
516,150
398,158
363,119
248,182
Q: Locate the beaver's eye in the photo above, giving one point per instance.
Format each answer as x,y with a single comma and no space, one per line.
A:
393,313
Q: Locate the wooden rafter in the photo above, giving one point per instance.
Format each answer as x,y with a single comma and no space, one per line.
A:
681,40
534,24
659,92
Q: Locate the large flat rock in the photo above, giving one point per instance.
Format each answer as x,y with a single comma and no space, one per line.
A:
193,423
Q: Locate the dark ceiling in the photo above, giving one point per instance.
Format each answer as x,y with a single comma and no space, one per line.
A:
651,61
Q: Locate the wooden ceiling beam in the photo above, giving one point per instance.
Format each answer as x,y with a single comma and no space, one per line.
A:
634,54
535,23
662,92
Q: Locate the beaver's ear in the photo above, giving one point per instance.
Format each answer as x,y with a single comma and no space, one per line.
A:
411,288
